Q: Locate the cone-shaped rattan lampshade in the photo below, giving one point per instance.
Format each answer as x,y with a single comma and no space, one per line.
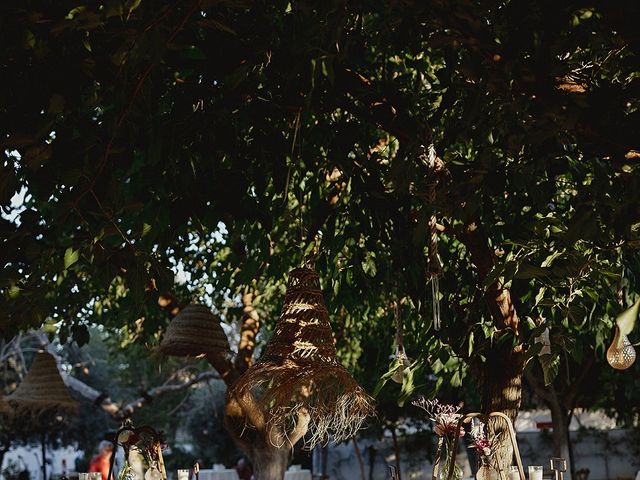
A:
299,371
42,387
194,332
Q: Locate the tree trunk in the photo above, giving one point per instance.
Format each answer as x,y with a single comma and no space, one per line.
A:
320,457
270,462
359,457
561,441
500,385
499,377
3,452
396,449
44,455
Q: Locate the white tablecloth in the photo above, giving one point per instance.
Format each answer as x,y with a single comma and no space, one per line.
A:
218,475
299,475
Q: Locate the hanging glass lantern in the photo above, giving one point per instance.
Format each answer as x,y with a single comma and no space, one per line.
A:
621,354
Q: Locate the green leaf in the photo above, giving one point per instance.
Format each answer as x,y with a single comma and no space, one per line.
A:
627,319
387,376
550,366
131,7
369,264
540,295
526,270
408,385
550,259
71,256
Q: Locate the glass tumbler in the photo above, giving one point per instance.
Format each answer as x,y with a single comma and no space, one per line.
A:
535,472
183,474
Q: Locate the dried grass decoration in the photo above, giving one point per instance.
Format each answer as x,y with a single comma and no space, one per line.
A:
194,332
299,373
42,388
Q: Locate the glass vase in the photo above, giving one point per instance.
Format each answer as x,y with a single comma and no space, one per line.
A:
447,447
486,470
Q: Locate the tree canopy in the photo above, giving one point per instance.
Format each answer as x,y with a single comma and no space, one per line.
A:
199,150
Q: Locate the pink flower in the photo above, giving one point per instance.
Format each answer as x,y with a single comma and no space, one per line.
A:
447,429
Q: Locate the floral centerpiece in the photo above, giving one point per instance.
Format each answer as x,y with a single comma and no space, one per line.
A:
446,420
148,443
484,450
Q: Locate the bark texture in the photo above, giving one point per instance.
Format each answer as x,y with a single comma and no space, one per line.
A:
250,325
269,462
499,377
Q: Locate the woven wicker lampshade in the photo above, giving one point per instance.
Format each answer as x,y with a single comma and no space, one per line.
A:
194,332
42,388
299,372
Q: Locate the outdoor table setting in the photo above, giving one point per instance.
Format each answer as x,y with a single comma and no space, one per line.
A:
295,472
218,473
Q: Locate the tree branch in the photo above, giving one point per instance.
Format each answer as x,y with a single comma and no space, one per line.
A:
302,425
539,389
248,332
102,399
502,309
156,392
574,388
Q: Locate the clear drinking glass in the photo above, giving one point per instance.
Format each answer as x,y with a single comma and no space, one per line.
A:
83,476
95,476
535,472
183,474
514,472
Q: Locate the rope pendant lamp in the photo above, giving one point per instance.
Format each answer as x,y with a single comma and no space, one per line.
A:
299,374
434,269
42,388
194,332
400,356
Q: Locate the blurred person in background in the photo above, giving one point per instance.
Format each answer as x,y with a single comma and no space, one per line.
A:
100,463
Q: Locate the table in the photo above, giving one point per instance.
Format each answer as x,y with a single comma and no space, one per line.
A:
298,475
218,475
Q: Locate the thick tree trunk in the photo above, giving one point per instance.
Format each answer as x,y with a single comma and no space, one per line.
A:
247,424
500,386
499,377
269,462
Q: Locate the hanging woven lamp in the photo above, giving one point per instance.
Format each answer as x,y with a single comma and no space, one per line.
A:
299,372
42,388
194,332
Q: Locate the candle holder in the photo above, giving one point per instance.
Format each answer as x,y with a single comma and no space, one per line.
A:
558,466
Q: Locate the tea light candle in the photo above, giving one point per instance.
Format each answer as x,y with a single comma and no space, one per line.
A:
535,472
